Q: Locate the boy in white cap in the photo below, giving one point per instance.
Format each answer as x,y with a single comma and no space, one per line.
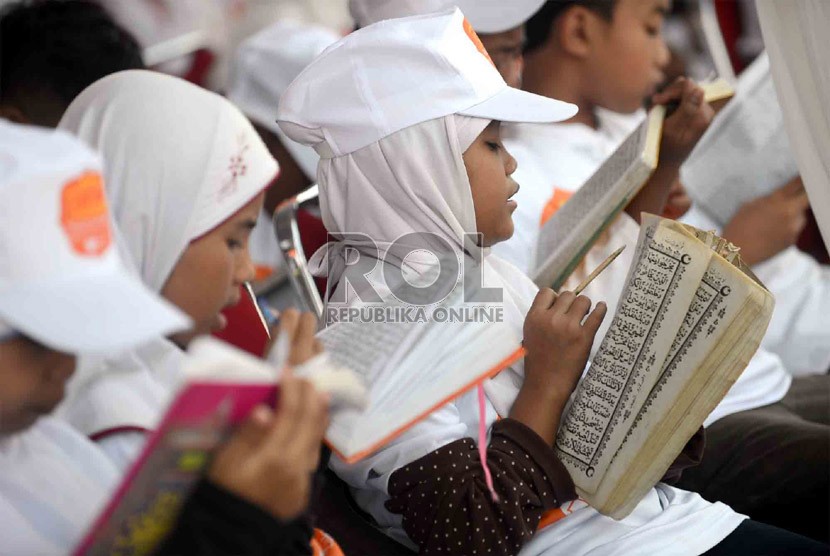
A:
263,67
768,445
64,291
410,144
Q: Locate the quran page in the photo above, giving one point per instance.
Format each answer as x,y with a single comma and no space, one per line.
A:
413,368
712,347
661,285
570,233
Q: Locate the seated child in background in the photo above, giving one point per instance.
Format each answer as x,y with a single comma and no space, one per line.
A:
63,290
768,442
263,67
50,51
430,160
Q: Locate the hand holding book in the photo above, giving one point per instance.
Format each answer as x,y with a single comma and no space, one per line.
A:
687,119
765,226
270,459
224,423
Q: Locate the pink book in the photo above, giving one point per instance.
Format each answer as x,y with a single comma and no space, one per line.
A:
147,502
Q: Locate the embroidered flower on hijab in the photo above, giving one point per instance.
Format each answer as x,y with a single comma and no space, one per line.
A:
237,167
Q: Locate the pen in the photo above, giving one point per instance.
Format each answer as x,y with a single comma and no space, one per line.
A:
598,270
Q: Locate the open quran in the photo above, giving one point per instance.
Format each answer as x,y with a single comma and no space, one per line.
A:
689,319
573,229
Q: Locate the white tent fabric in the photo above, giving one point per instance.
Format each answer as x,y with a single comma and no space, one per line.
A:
797,41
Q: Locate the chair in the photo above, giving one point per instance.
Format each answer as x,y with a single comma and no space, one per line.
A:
288,219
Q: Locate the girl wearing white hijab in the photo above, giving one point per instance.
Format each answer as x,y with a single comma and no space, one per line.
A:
185,174
407,145
64,290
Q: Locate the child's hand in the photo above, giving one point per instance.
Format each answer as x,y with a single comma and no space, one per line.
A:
557,341
301,329
683,128
678,202
768,225
270,460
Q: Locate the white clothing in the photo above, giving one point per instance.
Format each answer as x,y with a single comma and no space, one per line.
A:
53,484
798,332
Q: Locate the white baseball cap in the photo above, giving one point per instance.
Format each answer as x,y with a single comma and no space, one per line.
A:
265,65
62,282
398,73
486,16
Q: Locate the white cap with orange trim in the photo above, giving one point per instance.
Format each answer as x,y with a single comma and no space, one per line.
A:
398,73
486,16
62,282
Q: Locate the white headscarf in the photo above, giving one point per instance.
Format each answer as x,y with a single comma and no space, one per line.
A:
415,180
179,161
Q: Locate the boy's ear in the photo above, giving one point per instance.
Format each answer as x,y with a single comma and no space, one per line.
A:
576,29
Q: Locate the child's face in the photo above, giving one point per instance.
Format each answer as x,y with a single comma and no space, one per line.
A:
505,49
628,55
206,279
32,381
489,167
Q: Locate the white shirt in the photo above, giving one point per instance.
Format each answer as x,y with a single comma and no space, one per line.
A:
53,484
564,156
799,331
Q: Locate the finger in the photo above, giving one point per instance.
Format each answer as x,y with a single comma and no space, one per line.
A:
289,401
286,325
563,303
543,300
315,420
690,103
317,346
253,429
306,431
800,202
594,320
289,322
302,346
793,188
693,97
671,93
580,307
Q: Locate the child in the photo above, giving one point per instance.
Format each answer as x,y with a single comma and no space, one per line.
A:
185,174
608,56
50,51
499,24
264,66
63,290
410,144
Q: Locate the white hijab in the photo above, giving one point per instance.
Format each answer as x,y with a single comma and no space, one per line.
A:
415,180
179,161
